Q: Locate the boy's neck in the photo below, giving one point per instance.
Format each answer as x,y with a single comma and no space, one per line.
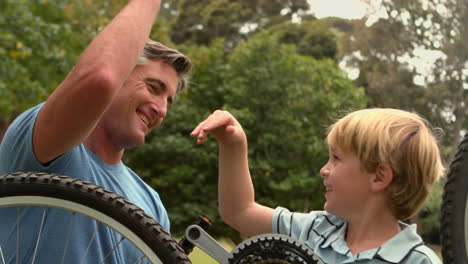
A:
371,230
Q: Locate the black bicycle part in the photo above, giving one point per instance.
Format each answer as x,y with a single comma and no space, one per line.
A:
202,221
273,249
454,220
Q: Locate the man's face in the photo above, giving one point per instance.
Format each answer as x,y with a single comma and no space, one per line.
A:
141,104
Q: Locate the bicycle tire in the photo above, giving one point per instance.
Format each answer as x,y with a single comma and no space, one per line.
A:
75,195
454,219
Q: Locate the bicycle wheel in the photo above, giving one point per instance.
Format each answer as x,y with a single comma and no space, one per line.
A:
80,199
454,220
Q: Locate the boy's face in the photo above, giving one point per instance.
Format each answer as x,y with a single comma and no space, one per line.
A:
348,186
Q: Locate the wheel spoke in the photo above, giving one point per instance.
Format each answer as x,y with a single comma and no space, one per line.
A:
18,215
1,254
90,242
139,259
112,250
40,234
70,225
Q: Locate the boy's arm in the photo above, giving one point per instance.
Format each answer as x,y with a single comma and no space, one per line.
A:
237,204
74,108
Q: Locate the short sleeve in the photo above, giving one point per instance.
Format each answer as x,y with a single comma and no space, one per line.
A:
16,150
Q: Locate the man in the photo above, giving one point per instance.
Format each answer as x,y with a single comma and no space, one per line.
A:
120,89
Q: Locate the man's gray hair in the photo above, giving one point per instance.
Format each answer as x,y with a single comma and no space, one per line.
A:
154,50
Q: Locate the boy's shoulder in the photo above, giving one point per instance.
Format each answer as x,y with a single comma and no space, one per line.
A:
423,254
408,247
318,224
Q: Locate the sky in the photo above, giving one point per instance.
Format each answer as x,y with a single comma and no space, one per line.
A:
355,9
350,9
339,8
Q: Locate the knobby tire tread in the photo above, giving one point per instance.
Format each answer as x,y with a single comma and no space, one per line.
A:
100,199
453,207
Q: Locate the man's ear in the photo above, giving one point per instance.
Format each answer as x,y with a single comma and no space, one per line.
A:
382,178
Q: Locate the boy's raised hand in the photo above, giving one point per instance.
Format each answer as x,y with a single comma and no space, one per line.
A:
223,126
237,205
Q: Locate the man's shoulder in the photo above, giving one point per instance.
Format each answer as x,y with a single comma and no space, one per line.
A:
28,116
23,124
16,153
31,112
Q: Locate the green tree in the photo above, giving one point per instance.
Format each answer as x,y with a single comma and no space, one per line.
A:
377,51
285,102
436,26
311,38
33,47
202,21
430,215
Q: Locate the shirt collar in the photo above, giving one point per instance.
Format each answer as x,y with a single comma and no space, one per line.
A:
338,237
399,246
393,251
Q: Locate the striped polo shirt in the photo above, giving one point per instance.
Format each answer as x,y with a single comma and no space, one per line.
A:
325,233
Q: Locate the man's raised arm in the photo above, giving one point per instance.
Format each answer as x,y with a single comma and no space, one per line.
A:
74,108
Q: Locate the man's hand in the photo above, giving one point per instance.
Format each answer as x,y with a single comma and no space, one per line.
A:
223,126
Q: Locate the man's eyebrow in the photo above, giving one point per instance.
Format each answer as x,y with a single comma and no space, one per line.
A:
161,84
156,81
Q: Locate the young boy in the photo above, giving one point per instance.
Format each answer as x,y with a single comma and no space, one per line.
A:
382,165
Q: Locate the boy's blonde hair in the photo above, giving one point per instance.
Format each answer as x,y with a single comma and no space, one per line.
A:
400,139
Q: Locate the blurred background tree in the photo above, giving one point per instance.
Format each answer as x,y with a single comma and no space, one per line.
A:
410,30
286,135
384,50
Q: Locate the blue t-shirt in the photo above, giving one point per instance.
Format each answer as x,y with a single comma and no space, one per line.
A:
16,154
325,234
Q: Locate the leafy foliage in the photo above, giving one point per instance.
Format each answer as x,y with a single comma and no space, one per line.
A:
33,45
379,52
284,102
202,21
311,38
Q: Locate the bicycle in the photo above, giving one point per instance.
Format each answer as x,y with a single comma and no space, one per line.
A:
109,211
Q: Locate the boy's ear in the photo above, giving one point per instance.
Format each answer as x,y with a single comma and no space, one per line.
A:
382,178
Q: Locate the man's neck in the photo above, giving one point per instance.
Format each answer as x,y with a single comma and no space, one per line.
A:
102,147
